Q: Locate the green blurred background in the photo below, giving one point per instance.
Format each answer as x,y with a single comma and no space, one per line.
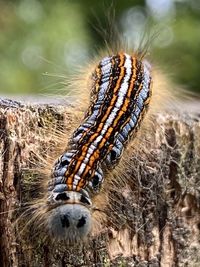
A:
42,41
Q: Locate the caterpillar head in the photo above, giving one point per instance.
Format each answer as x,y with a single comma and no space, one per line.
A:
70,219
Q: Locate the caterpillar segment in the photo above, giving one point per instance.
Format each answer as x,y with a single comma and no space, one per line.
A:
121,90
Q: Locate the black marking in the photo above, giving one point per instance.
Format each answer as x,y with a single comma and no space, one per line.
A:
64,163
113,155
81,222
64,221
84,200
62,196
95,181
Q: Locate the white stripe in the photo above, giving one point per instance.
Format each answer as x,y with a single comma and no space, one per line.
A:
104,86
81,169
105,61
106,69
121,94
119,103
120,98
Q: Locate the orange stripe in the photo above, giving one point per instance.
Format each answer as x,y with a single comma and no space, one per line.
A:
98,70
100,127
124,108
122,57
115,96
111,78
129,93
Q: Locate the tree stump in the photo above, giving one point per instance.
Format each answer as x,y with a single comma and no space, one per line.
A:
155,219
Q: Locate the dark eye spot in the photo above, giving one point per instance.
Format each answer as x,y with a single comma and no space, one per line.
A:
78,131
62,196
113,155
81,222
95,181
64,163
84,200
64,221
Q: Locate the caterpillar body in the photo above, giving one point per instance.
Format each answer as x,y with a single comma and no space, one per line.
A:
119,99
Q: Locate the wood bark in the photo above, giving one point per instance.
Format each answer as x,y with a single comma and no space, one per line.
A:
155,221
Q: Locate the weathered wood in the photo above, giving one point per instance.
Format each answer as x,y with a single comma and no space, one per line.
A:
155,220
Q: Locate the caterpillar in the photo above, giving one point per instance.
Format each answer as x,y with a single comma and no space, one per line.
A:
119,99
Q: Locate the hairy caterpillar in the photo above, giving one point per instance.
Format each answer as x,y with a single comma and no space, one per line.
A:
83,176
121,90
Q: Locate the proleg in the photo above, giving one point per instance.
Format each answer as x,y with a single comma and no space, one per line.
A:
119,100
